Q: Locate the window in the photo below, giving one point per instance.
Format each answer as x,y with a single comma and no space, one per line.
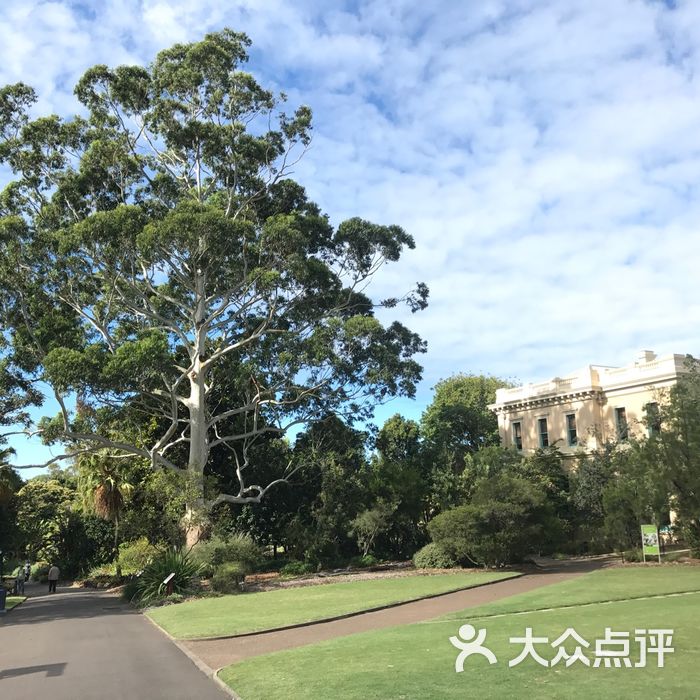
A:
517,436
621,424
653,418
571,435
544,434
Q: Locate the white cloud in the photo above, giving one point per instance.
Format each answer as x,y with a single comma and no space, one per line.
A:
545,155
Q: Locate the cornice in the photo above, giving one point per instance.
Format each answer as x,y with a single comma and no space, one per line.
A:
539,401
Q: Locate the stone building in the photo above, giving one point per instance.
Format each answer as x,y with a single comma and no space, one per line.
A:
589,407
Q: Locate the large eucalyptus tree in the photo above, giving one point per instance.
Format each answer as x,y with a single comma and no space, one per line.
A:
170,283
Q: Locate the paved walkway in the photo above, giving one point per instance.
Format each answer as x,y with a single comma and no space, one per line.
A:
222,652
79,644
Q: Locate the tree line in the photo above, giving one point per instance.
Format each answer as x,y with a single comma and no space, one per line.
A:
443,481
183,302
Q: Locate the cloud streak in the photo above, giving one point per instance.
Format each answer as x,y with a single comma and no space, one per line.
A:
545,155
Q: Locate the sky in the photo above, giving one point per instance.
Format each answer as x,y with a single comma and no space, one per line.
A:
545,155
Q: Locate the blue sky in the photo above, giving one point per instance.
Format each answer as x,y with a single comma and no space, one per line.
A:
545,155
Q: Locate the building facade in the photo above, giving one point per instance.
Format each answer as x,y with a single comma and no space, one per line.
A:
588,408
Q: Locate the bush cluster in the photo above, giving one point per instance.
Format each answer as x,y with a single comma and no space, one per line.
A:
149,586
364,562
40,571
229,576
136,555
210,554
433,556
296,568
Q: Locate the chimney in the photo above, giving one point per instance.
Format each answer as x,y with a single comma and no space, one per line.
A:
645,356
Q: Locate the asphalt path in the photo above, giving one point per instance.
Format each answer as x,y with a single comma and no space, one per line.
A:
80,644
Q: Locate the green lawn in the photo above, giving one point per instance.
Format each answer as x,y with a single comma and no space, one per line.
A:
250,612
417,661
609,584
12,600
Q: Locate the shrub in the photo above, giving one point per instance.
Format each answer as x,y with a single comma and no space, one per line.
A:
102,576
150,584
40,571
130,590
633,555
296,568
504,521
229,576
371,523
273,564
689,529
136,555
365,562
239,548
102,571
433,556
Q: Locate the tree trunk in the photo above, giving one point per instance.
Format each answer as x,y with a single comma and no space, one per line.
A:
116,547
194,522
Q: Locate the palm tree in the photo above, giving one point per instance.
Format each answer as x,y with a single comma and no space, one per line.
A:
10,482
106,489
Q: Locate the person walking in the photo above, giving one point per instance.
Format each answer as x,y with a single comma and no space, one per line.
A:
54,573
27,570
19,581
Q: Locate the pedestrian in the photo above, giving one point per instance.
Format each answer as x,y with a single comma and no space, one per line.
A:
27,570
19,581
54,573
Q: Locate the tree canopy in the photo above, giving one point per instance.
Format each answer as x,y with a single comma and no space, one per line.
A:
458,419
175,289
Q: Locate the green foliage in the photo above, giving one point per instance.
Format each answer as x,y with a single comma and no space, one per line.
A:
433,556
43,512
370,523
156,505
458,421
364,562
229,576
399,475
333,487
633,555
150,586
673,456
11,538
210,554
130,591
136,555
689,530
591,476
40,571
86,540
163,244
503,522
296,568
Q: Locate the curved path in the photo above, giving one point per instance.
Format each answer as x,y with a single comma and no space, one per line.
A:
222,652
83,644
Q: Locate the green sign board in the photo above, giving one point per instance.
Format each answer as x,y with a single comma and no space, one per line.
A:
650,541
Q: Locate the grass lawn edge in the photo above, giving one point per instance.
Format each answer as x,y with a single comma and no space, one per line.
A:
607,601
333,618
15,603
633,599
